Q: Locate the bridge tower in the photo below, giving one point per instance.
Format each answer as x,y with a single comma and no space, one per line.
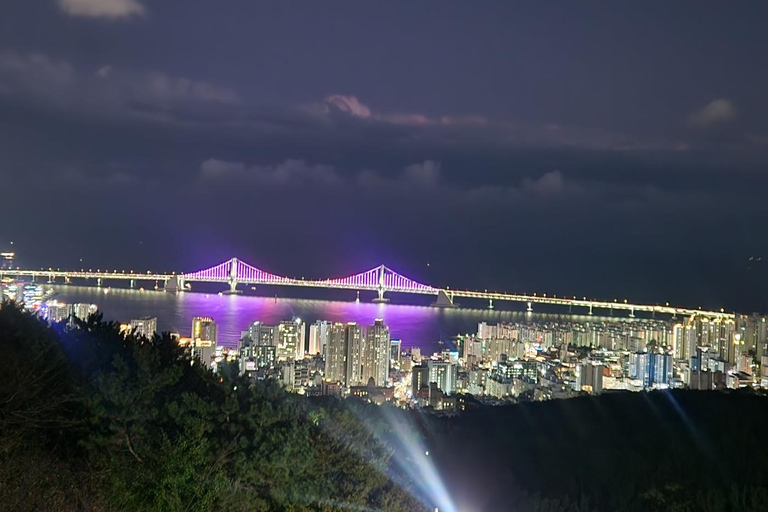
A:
380,285
232,278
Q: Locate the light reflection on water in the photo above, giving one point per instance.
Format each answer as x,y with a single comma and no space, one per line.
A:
418,326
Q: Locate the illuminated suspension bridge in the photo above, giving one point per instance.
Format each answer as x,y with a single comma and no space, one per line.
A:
380,279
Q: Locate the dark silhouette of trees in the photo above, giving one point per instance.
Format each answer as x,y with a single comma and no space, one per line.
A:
95,420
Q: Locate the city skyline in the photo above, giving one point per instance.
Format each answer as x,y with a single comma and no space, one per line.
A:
500,362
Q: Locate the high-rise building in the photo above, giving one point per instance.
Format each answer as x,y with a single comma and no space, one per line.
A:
685,338
204,329
204,339
444,374
419,379
343,362
336,353
252,356
376,349
262,334
653,369
486,332
56,311
678,341
82,311
395,349
290,337
496,347
6,260
761,337
32,295
353,372
203,350
752,331
318,337
589,377
145,326
473,348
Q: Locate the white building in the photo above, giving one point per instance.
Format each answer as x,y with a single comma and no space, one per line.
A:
376,351
145,326
444,374
290,337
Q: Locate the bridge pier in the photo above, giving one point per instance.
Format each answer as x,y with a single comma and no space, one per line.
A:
173,285
232,287
444,300
380,299
51,279
67,280
98,281
590,310
132,284
632,313
490,303
530,307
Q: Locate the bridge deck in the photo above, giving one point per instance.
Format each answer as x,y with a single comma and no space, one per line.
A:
380,279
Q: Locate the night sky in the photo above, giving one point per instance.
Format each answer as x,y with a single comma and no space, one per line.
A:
613,151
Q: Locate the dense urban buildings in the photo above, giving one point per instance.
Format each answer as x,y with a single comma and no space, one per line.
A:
498,363
506,361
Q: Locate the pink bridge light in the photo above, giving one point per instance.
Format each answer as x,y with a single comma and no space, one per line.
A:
380,277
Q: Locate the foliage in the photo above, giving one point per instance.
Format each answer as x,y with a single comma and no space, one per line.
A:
128,423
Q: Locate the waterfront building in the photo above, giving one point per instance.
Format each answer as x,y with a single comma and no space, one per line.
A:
290,338
354,351
202,344
82,310
318,337
375,354
56,311
145,326
204,329
336,353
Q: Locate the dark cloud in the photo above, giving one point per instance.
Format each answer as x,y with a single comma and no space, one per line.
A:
291,173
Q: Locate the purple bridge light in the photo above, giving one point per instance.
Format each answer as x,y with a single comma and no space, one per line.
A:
379,279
